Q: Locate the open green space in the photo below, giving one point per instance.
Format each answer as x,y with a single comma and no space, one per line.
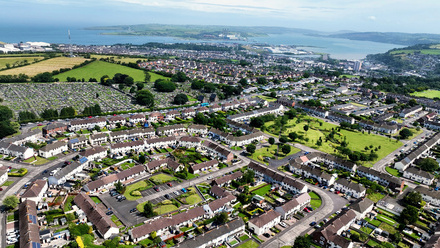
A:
393,171
373,222
267,98
68,203
372,243
427,93
249,244
161,178
163,209
357,141
155,76
366,230
193,199
244,237
138,186
97,69
375,197
270,151
315,200
422,51
37,161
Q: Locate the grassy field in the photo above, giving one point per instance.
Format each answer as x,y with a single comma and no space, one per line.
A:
315,201
375,197
423,51
38,161
163,209
155,77
263,190
45,66
427,93
249,244
270,151
7,183
393,171
130,188
17,60
161,178
267,98
118,58
193,199
95,199
357,141
98,69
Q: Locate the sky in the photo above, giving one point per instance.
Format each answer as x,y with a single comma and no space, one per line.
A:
323,15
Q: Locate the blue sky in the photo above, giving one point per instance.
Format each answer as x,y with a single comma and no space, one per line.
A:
324,15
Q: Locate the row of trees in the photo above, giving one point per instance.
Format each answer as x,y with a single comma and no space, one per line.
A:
6,126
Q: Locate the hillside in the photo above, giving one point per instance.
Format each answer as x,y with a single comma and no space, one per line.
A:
48,65
405,39
98,69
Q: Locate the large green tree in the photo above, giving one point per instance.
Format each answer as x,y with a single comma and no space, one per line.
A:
180,99
5,113
413,198
405,133
302,242
11,202
286,149
251,148
144,97
148,210
409,215
428,164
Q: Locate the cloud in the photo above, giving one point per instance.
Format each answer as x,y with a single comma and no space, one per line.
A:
372,18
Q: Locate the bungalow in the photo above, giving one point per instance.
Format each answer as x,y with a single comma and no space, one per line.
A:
77,143
35,192
429,196
190,142
102,222
89,123
136,118
98,139
198,129
352,189
188,113
53,149
95,153
220,205
127,147
155,117
227,179
419,175
329,235
54,128
171,130
204,166
110,180
264,222
218,192
157,164
291,207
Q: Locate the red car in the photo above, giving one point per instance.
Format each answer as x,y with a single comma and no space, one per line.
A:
39,124
156,188
169,184
337,192
306,210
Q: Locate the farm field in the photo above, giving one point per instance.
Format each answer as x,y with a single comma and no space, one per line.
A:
357,141
423,51
117,58
17,60
45,66
427,93
98,69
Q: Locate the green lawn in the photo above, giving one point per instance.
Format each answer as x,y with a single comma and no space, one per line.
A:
315,201
8,183
95,199
155,76
384,226
393,171
263,190
193,199
372,243
163,209
373,222
267,98
39,161
386,219
366,230
249,244
427,93
270,151
161,178
244,237
116,220
98,69
135,186
357,141
375,197
68,203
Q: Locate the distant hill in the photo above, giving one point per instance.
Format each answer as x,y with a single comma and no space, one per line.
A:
216,32
405,39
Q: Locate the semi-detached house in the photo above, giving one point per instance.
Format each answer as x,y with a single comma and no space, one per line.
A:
76,125
350,188
291,207
125,147
264,222
53,149
95,153
419,175
110,180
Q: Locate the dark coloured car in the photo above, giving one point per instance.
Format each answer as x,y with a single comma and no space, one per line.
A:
44,172
156,188
266,235
109,213
167,196
133,210
313,223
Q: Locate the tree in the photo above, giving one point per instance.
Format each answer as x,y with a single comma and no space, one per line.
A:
119,187
26,116
286,149
251,148
49,114
144,97
197,85
67,112
405,133
396,237
273,94
412,102
413,198
201,119
140,85
256,122
302,242
243,82
147,76
45,77
248,177
179,77
112,243
5,113
148,210
6,129
306,128
180,99
261,80
142,159
283,140
428,164
164,85
409,215
221,218
293,136
11,202
271,140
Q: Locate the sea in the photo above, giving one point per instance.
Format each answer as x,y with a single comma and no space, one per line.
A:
335,47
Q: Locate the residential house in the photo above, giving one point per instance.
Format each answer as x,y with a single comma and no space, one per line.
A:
114,120
291,207
188,113
54,128
77,143
161,142
218,192
215,108
35,191
95,153
136,118
362,207
190,142
429,196
202,110
171,130
264,222
89,123
155,117
286,102
419,175
98,139
102,222
11,150
393,183
53,149
127,147
110,180
171,115
243,117
227,179
198,129
204,166
3,174
411,111
28,225
215,150
350,188
69,172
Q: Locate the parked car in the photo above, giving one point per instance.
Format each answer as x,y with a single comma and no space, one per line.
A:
283,224
313,223
184,190
169,184
167,196
156,188
133,210
310,208
109,212
306,210
266,235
